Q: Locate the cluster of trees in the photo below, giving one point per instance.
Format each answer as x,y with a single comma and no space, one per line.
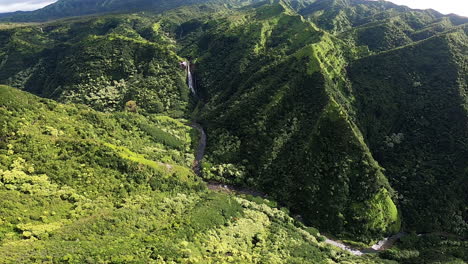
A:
102,62
429,248
414,119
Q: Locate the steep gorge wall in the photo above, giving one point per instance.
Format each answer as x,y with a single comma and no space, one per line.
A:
281,114
308,117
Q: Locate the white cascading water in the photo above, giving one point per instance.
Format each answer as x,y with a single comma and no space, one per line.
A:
190,79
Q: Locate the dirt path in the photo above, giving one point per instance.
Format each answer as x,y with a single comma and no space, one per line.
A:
382,245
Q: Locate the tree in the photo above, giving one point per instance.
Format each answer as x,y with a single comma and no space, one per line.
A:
131,106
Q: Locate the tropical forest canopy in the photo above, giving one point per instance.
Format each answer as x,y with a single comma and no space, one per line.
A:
351,116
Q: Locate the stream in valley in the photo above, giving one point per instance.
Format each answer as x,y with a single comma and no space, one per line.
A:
383,244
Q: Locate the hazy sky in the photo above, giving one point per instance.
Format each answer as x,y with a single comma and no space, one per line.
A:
444,6
459,7
23,5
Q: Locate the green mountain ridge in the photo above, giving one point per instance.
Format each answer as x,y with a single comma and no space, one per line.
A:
259,129
303,128
76,8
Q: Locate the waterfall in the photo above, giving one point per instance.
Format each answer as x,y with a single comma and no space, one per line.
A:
190,78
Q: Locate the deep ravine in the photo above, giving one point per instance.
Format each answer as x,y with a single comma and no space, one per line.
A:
381,245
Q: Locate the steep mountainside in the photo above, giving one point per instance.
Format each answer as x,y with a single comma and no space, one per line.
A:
415,121
102,62
323,119
277,109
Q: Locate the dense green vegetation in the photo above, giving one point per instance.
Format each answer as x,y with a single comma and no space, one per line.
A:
415,120
305,114
352,114
100,62
79,186
73,8
279,96
432,248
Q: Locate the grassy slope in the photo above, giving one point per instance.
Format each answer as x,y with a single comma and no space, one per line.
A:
82,186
